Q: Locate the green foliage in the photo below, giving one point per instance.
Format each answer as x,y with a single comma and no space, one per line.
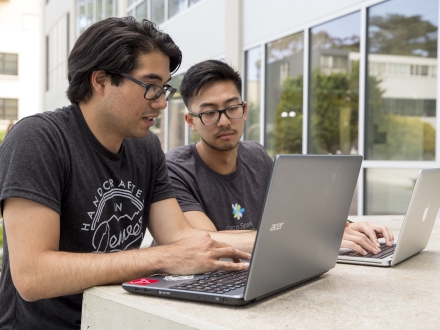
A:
334,111
287,135
2,136
397,34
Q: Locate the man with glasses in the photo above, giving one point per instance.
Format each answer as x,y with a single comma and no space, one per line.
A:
80,185
220,182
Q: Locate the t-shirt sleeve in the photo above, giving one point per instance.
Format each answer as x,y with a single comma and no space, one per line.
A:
163,188
184,188
32,163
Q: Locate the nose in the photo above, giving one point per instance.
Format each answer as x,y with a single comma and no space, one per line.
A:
223,121
160,103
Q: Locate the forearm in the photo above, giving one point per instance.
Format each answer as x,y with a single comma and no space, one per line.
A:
54,273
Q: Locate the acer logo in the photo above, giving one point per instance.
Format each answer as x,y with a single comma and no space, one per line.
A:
276,226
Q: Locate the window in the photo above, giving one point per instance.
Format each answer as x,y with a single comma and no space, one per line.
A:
401,84
176,112
388,191
9,64
175,7
9,109
157,11
334,86
284,64
252,94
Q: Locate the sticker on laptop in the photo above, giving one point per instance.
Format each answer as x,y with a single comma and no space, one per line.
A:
143,281
178,278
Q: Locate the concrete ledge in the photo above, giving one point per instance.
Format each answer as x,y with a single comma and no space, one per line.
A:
105,308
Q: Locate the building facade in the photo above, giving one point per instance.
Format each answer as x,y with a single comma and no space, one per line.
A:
20,63
320,77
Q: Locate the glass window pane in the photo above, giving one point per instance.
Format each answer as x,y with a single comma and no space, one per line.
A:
110,8
252,94
334,86
9,109
176,112
89,4
9,64
157,11
193,2
81,17
402,84
142,11
388,191
175,7
284,95
99,8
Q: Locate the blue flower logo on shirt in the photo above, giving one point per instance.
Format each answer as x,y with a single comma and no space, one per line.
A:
237,211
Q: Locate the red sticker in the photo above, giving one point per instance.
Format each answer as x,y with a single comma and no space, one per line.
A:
143,281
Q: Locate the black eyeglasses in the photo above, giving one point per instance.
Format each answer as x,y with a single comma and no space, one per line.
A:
212,117
153,92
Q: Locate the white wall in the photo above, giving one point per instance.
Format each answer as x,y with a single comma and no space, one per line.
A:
199,32
20,34
54,17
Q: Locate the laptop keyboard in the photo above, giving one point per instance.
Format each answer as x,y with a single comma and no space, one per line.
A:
386,251
216,282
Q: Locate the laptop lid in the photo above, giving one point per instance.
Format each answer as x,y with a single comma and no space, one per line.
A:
419,220
303,220
299,235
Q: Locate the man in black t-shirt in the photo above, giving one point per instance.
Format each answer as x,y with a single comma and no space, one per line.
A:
79,186
220,182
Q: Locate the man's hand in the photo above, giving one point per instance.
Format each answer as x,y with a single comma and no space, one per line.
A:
200,254
362,237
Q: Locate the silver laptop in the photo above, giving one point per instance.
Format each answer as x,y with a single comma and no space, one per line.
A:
298,239
416,229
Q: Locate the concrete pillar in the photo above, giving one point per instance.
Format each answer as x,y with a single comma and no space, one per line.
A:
233,34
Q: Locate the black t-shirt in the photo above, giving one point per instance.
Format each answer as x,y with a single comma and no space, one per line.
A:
231,202
103,199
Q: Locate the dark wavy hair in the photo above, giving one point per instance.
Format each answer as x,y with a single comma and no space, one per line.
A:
114,45
204,73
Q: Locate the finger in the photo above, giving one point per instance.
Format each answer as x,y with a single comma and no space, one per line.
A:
388,235
368,229
230,252
231,266
351,245
364,240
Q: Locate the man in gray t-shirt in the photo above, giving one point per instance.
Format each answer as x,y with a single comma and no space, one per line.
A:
220,182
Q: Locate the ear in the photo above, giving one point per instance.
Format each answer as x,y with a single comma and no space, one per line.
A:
189,120
245,110
99,79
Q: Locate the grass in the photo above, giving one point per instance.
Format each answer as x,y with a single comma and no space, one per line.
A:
2,136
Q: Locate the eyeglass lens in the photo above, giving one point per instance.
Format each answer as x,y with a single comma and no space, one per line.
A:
232,112
153,92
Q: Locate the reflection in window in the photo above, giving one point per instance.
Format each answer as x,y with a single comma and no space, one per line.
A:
157,11
402,84
9,64
388,191
175,7
334,86
284,95
252,94
176,120
142,11
91,11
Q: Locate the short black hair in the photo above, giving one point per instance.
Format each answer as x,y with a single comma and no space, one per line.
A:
204,73
114,45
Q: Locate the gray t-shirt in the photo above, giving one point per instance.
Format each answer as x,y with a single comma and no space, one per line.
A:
103,199
232,202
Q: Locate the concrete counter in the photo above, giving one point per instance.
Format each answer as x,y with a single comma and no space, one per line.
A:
348,296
